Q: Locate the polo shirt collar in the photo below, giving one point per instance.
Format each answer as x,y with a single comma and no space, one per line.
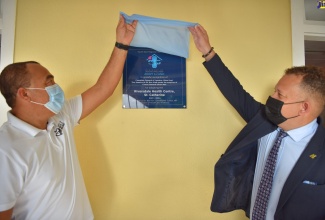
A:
21,125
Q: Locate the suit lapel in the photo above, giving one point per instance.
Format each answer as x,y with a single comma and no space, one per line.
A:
313,153
255,129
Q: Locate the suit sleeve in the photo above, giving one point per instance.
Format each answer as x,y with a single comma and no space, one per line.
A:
231,88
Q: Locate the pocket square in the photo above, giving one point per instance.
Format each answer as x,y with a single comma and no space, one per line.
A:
309,182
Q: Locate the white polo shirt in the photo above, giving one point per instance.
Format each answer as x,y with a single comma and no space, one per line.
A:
39,169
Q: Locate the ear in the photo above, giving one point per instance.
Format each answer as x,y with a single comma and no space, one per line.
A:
22,94
305,107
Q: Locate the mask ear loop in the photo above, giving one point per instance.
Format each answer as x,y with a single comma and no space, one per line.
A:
293,117
36,88
292,103
298,111
33,101
38,103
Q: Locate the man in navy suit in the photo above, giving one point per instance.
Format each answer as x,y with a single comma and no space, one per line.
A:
298,189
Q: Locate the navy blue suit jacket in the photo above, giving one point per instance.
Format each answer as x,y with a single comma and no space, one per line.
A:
234,172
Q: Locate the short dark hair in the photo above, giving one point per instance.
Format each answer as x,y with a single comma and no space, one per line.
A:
13,77
313,81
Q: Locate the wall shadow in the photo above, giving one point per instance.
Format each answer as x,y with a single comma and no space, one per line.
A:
92,155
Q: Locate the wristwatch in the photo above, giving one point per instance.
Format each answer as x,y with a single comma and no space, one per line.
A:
121,46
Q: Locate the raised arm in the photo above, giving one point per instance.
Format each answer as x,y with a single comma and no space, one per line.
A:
6,215
229,86
201,40
111,75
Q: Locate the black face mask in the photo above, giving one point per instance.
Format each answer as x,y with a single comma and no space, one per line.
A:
273,110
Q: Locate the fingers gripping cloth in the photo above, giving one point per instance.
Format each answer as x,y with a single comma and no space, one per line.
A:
166,36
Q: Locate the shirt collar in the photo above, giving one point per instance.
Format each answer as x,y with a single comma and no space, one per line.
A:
21,125
302,132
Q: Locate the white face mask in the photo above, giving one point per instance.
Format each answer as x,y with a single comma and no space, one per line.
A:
56,98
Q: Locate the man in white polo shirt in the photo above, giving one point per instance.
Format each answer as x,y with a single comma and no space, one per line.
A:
39,169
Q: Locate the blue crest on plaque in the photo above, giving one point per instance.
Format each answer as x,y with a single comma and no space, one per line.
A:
154,61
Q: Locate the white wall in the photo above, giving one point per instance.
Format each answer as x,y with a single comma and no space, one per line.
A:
7,25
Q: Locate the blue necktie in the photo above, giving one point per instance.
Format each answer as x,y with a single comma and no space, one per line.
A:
265,187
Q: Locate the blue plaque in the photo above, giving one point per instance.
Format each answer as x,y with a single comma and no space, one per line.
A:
153,79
